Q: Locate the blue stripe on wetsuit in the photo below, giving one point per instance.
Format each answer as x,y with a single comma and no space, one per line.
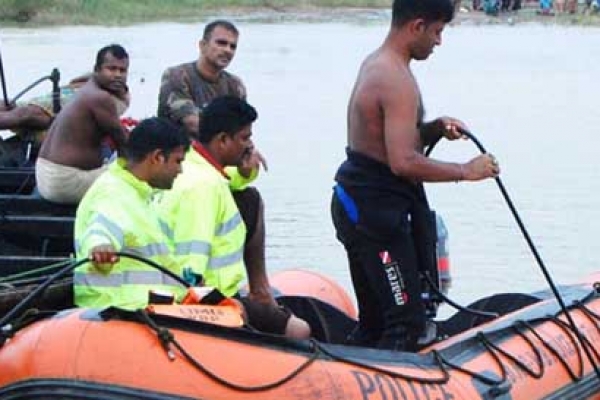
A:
347,202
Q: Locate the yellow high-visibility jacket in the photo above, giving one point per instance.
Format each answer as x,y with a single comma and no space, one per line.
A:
207,229
118,210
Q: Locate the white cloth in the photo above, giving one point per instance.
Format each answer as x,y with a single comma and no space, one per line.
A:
63,184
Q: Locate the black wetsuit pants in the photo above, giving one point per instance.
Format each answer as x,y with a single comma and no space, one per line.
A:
384,269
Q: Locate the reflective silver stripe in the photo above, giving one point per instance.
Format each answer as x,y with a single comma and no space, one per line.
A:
125,278
192,247
229,226
166,230
112,227
149,250
226,260
96,232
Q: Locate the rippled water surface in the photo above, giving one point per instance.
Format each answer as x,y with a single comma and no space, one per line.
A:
529,93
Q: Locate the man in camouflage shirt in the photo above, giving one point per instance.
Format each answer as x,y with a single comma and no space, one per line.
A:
184,91
187,88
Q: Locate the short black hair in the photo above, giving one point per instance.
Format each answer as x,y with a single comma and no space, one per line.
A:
428,10
209,28
227,114
152,134
116,50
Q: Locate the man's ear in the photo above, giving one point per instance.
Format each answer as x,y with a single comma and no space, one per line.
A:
417,26
157,156
223,137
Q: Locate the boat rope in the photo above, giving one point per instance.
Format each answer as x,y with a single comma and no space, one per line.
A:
533,249
3,82
535,342
64,271
452,303
29,317
522,329
167,338
38,291
34,272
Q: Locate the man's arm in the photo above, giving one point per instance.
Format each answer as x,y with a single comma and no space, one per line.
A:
244,174
441,127
192,225
176,101
100,239
29,116
191,123
403,142
104,257
400,102
107,119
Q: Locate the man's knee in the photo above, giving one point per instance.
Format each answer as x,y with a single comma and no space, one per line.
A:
275,319
297,328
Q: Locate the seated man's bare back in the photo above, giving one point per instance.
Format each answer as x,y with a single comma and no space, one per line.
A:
71,155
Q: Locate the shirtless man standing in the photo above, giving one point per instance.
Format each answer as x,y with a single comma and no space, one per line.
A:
379,208
70,158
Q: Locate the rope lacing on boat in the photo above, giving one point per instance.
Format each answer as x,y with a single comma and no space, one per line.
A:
167,338
524,329
521,328
9,325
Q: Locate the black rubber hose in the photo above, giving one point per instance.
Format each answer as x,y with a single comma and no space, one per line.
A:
2,78
537,256
69,268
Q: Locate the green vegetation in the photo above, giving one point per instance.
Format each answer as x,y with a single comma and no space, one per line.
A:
112,12
119,12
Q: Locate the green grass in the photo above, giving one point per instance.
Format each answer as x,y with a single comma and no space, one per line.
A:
113,12
126,12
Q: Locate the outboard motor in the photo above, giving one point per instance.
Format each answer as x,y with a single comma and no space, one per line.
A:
439,275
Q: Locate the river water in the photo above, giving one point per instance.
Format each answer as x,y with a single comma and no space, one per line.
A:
528,92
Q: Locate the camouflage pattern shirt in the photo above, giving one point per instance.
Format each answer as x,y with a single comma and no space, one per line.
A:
183,91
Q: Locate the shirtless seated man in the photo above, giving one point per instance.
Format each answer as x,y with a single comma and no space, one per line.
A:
36,114
32,117
71,156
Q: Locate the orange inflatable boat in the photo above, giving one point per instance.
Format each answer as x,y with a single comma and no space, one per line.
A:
530,352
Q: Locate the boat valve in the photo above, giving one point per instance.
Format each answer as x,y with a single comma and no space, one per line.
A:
166,337
498,390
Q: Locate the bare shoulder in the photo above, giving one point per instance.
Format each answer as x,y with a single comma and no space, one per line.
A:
92,94
381,73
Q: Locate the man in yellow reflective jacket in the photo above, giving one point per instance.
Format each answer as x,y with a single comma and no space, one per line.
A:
208,231
185,91
116,214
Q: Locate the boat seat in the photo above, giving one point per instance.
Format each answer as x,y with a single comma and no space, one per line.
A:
38,235
38,225
17,180
33,204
